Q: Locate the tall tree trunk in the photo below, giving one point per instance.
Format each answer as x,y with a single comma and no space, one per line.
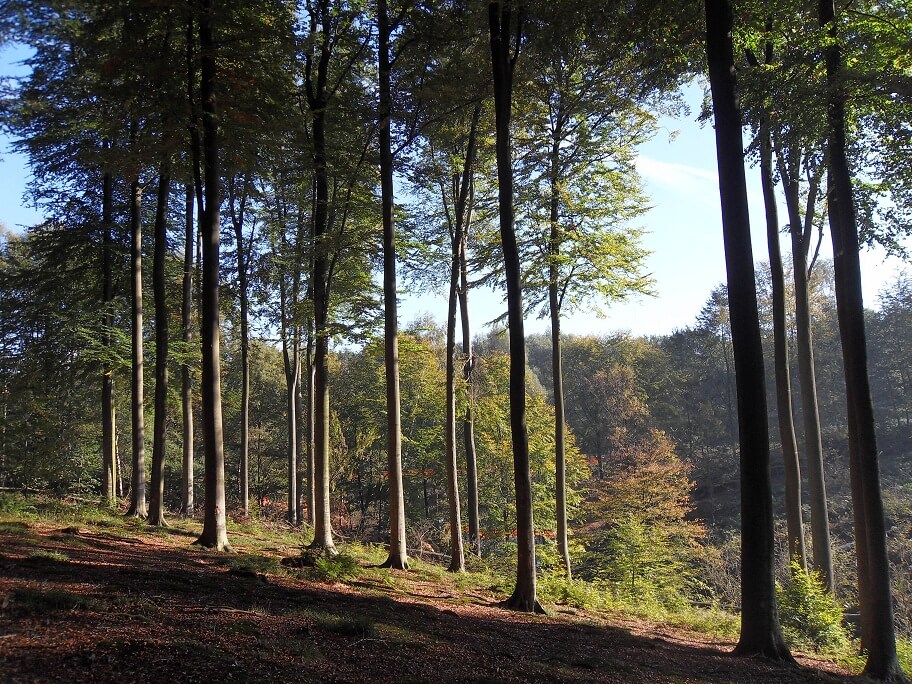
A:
215,531
299,441
877,611
290,358
138,485
108,446
499,16
322,522
760,630
813,442
793,512
468,420
157,500
242,265
309,427
557,373
186,382
398,555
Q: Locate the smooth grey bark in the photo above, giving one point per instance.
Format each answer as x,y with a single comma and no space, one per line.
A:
557,372
238,216
877,603
215,531
160,234
760,630
793,511
317,99
398,554
187,503
800,230
503,60
309,428
468,420
138,431
108,435
290,358
458,221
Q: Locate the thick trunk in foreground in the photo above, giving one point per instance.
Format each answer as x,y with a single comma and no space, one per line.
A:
138,422
108,437
398,556
877,610
760,630
524,595
186,384
793,512
215,532
157,498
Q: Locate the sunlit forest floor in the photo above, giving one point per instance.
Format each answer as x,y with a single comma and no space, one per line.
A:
88,596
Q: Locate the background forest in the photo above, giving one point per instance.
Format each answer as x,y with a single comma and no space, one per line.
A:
320,107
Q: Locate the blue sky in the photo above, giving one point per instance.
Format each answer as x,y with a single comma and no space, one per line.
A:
684,233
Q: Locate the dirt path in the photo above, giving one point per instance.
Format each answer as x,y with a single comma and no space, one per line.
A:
95,606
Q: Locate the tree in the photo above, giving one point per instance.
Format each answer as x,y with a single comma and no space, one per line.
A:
874,567
215,533
760,630
504,52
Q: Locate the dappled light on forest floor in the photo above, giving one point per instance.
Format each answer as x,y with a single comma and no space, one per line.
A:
83,604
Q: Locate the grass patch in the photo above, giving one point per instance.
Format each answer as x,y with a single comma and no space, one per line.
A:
44,554
252,564
41,602
339,568
347,625
711,621
15,527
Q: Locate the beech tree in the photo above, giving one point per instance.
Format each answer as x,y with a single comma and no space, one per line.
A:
760,630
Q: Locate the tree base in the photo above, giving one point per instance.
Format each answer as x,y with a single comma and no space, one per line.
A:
524,604
395,563
456,567
771,649
132,512
324,548
206,542
892,673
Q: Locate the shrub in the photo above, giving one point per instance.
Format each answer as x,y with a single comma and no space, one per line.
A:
809,613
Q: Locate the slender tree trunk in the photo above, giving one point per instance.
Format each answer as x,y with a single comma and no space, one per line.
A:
299,434
138,485
215,531
457,553
760,631
108,447
557,373
813,442
157,500
290,357
793,512
468,421
877,612
317,102
242,261
322,521
398,555
311,489
499,15
186,382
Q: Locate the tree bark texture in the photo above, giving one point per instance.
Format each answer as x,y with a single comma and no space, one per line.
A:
108,436
793,511
807,375
760,630
160,234
138,483
187,502
215,532
877,608
398,555
500,25
243,258
557,372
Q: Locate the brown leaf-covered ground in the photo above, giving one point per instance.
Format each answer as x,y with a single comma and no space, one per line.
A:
90,604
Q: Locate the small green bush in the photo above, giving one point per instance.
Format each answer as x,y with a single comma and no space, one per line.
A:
809,614
339,568
554,587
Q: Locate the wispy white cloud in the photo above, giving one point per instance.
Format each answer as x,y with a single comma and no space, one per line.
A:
682,178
